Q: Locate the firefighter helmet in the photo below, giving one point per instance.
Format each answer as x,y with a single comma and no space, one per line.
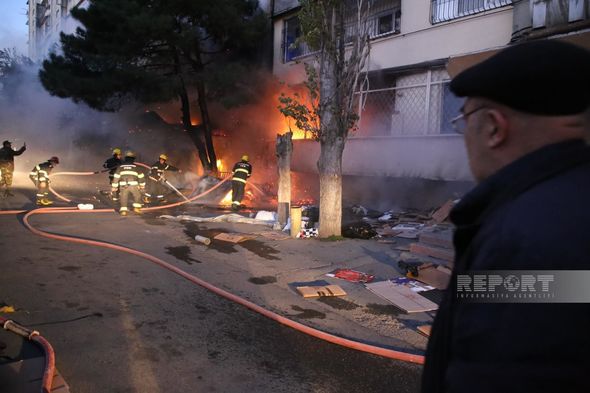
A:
129,154
54,159
117,151
6,143
245,157
163,157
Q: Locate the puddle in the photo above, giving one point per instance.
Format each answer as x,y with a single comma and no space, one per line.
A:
383,309
260,249
307,313
182,253
192,229
337,303
262,280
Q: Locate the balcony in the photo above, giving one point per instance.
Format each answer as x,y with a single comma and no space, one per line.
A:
446,10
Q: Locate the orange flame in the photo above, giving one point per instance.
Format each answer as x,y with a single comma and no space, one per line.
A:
226,201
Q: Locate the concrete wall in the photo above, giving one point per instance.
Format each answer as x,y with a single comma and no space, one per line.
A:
434,157
419,40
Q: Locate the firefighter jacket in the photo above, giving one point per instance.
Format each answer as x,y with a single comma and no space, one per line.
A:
158,169
7,154
40,173
242,171
112,164
128,175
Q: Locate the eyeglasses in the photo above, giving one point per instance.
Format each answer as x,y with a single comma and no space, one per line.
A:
459,123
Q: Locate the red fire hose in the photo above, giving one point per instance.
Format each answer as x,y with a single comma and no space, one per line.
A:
380,351
34,336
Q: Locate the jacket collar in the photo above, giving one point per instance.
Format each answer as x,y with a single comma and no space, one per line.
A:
516,177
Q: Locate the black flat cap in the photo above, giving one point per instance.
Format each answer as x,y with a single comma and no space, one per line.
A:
545,77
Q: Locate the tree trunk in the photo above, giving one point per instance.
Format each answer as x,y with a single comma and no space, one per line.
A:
284,151
193,132
330,168
202,98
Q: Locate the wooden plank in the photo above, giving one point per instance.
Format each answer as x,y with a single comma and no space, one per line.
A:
402,297
443,212
326,290
233,237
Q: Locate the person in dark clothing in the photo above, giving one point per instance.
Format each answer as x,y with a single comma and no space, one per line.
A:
156,189
7,165
111,164
128,181
40,177
525,120
241,172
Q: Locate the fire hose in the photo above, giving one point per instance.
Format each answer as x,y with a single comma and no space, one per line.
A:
35,337
373,349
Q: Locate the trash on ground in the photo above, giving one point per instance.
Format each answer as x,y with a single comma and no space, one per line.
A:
202,239
414,285
442,213
351,275
308,233
438,276
233,237
264,215
6,309
425,329
326,290
232,217
401,296
85,206
358,230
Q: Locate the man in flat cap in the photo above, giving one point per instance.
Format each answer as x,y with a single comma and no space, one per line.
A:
525,120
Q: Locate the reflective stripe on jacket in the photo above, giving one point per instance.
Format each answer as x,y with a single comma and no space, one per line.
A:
128,175
242,171
40,173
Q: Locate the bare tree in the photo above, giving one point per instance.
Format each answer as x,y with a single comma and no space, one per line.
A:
338,32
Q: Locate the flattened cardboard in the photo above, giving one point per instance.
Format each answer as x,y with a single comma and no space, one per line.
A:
438,278
425,329
402,297
233,237
326,290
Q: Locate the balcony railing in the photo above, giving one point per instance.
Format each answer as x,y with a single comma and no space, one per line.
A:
445,10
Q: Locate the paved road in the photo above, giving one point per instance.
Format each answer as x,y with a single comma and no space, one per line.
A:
143,329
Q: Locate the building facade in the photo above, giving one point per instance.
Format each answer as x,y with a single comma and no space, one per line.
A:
405,104
46,19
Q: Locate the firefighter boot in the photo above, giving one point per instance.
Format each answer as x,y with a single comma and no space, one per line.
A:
137,208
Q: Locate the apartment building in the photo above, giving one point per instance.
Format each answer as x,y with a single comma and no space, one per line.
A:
47,18
405,104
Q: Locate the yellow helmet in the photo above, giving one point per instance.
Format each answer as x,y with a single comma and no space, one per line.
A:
116,151
130,154
245,157
164,157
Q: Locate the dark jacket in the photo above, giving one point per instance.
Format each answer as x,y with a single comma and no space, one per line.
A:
530,215
7,154
40,173
158,169
128,174
112,164
242,171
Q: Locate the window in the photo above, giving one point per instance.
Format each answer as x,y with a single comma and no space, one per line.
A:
291,31
451,107
445,10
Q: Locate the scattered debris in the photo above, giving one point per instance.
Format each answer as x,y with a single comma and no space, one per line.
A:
232,217
438,276
433,251
326,290
425,329
358,230
442,213
264,215
202,239
272,235
401,296
233,237
352,275
308,233
414,285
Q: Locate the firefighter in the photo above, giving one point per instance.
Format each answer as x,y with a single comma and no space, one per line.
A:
111,164
128,180
156,187
40,176
7,165
241,172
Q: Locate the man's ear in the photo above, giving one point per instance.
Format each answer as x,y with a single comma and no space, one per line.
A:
495,128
